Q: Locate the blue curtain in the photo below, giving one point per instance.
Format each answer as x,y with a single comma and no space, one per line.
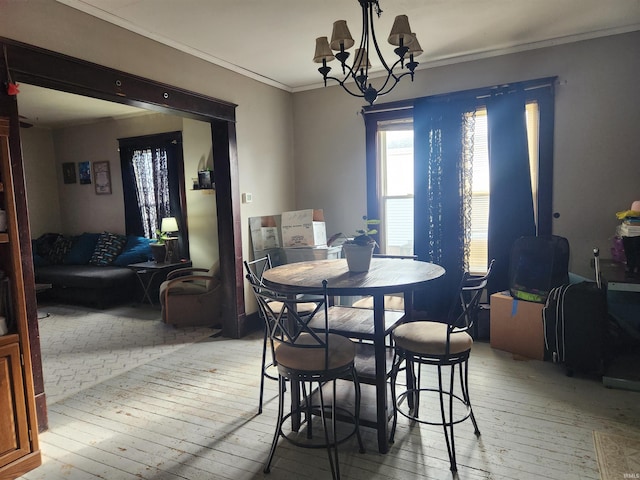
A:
511,202
441,179
440,228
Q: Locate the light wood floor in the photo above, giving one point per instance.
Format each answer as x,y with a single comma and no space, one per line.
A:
191,414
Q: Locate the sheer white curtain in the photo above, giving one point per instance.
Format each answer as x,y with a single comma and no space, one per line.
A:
152,187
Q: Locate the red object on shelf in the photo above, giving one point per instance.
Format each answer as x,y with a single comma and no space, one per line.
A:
12,89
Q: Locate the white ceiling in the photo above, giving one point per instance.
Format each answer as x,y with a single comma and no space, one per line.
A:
273,40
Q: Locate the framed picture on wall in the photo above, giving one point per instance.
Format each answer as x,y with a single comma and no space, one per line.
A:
84,171
69,172
102,178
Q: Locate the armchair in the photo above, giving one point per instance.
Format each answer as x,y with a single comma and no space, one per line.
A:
192,297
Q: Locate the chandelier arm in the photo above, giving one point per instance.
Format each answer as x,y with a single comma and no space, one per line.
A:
351,74
364,46
345,87
375,44
396,79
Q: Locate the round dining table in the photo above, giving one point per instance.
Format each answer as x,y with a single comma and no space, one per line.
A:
385,276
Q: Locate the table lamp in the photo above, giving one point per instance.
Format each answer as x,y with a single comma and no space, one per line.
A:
170,225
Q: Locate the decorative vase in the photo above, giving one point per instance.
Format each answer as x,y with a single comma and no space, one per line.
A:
159,252
358,256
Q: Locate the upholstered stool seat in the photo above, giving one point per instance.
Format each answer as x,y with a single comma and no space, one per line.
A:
304,307
342,353
426,337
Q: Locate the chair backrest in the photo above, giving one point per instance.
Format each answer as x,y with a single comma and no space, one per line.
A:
468,301
286,325
257,267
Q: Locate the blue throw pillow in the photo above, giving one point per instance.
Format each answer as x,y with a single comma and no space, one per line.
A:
59,250
108,247
136,250
82,249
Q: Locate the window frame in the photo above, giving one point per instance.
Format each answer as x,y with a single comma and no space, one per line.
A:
175,175
540,90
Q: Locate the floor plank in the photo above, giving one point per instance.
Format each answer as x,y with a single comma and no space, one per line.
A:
190,412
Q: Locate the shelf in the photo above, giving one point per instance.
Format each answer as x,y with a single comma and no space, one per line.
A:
4,238
9,338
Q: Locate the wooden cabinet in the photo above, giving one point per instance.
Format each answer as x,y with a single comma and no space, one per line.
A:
19,451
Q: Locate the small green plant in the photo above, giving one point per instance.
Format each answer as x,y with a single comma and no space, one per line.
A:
363,235
161,237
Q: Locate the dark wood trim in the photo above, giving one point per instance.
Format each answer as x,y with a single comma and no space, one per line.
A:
225,166
45,68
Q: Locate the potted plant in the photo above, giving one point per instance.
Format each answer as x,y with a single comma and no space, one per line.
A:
359,249
159,249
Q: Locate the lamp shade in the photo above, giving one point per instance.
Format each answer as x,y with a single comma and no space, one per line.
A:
323,52
341,35
169,224
414,48
361,60
401,31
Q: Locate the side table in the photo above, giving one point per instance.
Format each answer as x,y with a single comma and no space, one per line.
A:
41,287
154,273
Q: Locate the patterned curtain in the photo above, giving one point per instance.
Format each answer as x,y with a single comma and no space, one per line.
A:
152,187
443,147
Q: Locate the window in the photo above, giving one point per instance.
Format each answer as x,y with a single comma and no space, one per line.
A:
152,187
395,159
153,184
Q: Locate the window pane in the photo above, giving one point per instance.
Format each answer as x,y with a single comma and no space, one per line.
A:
399,162
478,250
398,215
396,157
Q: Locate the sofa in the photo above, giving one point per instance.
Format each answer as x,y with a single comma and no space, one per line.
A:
89,269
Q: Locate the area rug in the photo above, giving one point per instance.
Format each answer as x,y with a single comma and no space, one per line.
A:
82,347
618,456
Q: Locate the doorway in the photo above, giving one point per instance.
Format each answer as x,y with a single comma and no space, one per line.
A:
48,69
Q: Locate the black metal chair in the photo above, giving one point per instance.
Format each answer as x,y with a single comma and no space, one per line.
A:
315,360
439,344
255,270
470,289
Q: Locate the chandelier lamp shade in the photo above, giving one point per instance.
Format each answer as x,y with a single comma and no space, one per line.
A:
358,70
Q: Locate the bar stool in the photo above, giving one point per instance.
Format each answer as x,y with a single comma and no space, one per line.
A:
441,345
315,360
255,269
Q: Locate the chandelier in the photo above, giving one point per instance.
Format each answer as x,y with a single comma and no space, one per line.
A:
401,36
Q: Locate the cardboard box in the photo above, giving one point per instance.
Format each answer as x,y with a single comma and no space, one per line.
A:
304,254
264,233
303,228
516,326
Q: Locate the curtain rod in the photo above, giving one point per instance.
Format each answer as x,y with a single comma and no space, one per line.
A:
478,93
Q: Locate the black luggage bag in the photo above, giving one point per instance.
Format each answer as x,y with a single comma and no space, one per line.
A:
575,320
536,265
